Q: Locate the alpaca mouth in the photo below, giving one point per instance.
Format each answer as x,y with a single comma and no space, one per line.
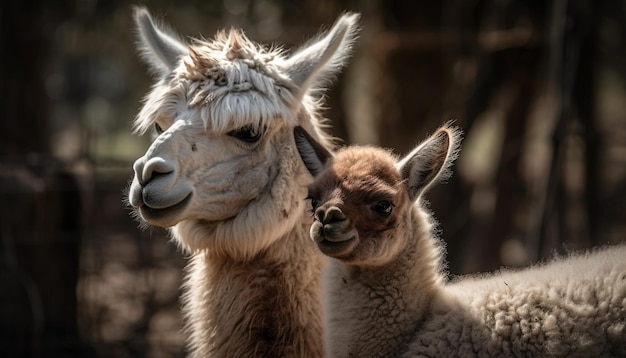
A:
157,216
334,240
336,248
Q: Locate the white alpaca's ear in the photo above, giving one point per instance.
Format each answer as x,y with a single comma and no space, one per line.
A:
322,58
313,154
429,162
160,49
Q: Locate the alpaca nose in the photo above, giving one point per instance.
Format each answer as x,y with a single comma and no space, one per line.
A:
145,171
329,215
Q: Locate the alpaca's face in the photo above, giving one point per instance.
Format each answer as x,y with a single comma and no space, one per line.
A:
193,173
360,196
358,202
208,160
223,170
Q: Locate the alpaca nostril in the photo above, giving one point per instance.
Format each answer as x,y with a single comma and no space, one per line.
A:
329,215
154,167
334,214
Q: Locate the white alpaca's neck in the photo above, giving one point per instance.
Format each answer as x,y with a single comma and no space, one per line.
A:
389,302
268,306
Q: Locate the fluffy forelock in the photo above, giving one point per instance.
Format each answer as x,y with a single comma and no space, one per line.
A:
361,164
233,82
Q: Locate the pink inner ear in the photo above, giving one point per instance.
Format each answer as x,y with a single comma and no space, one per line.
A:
429,162
439,160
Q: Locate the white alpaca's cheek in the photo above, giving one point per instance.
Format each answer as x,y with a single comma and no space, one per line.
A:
223,204
252,182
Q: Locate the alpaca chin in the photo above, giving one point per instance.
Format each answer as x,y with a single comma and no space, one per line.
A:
338,249
165,217
240,237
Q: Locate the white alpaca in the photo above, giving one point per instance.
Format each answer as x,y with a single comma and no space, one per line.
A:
387,296
223,173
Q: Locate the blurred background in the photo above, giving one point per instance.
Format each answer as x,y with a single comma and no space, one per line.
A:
537,86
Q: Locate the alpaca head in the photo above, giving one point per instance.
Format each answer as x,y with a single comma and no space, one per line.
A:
223,170
362,196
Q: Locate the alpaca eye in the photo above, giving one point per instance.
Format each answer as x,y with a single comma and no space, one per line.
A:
314,202
158,128
248,134
383,208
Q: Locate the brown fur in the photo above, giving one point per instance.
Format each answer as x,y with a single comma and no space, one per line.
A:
366,175
368,217
399,304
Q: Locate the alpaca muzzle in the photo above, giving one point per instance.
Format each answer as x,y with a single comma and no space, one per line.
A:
155,192
332,231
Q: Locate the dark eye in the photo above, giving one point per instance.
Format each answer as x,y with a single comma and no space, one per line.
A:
158,128
383,207
248,134
314,202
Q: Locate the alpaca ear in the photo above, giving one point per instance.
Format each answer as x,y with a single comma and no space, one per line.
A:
322,58
313,154
160,49
429,161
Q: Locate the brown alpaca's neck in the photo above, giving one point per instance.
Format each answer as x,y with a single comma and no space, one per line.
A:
417,267
407,285
268,306
424,261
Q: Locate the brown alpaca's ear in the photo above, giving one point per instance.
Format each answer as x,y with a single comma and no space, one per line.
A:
313,154
429,162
